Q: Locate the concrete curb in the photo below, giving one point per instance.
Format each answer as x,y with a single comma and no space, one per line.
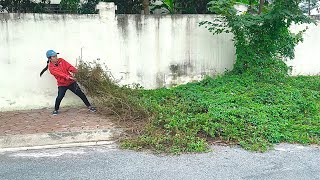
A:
57,139
111,144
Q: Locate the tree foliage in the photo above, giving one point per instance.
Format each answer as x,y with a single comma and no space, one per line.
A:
263,41
123,6
306,4
136,6
70,6
184,6
23,6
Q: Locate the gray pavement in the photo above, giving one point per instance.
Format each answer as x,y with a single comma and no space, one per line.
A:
108,162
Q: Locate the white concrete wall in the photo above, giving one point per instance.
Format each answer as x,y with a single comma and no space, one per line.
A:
138,49
307,53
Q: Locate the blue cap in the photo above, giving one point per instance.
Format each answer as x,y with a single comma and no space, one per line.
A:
51,53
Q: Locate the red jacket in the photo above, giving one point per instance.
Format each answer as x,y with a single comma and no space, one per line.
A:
61,71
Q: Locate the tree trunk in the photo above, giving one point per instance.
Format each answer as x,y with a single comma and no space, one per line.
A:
145,5
261,6
250,6
309,8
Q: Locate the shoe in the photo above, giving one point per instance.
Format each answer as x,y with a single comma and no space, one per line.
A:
92,109
55,113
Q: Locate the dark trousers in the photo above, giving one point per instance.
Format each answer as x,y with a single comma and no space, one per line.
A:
74,87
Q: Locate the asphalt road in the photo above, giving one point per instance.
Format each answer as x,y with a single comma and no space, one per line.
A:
107,162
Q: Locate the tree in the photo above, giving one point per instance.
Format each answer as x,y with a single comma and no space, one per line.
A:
263,41
24,6
40,7
128,6
123,6
307,5
70,6
201,6
261,6
88,7
183,6
193,6
145,4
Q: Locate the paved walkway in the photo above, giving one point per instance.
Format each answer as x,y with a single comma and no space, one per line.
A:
41,121
22,130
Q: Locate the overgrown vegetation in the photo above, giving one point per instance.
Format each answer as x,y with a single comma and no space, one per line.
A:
255,105
232,109
111,98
